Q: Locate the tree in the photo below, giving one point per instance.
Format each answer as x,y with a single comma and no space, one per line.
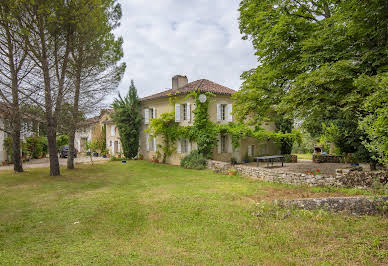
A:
127,118
311,55
14,68
47,28
94,71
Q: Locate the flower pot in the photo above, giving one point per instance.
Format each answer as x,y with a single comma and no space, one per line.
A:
232,173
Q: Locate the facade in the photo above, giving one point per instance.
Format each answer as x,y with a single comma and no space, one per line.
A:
220,111
91,130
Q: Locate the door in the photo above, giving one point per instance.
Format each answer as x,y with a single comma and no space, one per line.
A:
116,147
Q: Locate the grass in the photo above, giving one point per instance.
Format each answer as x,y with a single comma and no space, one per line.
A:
305,156
144,213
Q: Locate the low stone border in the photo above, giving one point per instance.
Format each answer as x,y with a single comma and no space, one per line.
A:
353,205
327,158
343,178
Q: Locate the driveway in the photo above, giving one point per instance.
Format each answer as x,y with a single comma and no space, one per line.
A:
41,163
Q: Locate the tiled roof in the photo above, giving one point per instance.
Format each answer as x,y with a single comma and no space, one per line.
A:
203,85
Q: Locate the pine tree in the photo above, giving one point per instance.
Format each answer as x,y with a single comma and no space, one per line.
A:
127,118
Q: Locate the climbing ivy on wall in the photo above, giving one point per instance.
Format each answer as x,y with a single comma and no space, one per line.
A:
204,132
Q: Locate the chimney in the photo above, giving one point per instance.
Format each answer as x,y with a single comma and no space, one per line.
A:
178,81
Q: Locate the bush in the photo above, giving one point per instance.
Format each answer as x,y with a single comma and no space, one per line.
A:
36,146
194,160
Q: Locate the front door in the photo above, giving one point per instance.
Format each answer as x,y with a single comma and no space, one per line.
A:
116,147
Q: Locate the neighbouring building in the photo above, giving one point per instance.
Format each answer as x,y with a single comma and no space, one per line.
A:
220,111
91,130
30,127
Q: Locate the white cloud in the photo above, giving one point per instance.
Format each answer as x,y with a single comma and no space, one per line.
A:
200,39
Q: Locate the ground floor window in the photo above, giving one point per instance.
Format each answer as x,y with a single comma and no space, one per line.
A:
224,143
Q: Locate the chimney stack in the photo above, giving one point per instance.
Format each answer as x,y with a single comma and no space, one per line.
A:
178,81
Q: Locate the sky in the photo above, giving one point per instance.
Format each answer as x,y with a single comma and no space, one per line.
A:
196,38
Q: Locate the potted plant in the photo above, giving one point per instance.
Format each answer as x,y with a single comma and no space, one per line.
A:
233,161
141,156
232,171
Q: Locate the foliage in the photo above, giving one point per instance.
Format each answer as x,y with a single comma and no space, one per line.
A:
62,140
169,130
127,118
204,131
8,147
36,146
314,59
375,124
102,140
194,160
91,147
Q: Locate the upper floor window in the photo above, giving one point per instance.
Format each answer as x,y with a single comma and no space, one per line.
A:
112,130
149,113
224,112
182,112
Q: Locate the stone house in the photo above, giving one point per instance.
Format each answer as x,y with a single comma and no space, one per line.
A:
91,130
220,111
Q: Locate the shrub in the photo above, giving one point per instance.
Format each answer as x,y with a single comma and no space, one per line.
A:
36,146
194,160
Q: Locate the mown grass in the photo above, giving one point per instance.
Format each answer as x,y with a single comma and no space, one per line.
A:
305,156
144,213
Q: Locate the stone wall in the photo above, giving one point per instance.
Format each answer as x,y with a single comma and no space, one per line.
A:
353,205
342,179
326,158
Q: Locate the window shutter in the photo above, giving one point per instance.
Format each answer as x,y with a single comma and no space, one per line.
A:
148,142
218,112
188,112
188,146
249,150
177,112
219,144
230,144
154,141
230,116
146,116
178,146
112,130
153,112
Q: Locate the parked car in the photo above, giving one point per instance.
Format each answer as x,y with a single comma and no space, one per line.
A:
65,152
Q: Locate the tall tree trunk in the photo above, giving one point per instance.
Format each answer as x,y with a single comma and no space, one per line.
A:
53,153
17,160
15,110
75,115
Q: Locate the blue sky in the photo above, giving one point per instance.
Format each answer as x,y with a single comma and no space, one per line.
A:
197,38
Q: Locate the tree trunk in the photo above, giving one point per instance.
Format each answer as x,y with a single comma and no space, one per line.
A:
373,165
53,153
17,160
70,156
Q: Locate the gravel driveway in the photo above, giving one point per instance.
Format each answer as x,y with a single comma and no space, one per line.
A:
41,163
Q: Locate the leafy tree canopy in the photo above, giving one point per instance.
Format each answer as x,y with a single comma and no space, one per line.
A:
314,57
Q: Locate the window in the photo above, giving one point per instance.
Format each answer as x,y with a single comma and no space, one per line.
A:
184,111
223,144
223,112
151,113
112,131
185,146
251,150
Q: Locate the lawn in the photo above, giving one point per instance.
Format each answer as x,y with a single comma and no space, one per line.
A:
144,213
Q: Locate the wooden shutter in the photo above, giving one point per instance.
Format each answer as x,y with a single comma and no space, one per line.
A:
177,112
148,142
249,150
218,112
229,113
178,146
112,130
188,112
153,112
146,116
154,141
230,144
188,146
